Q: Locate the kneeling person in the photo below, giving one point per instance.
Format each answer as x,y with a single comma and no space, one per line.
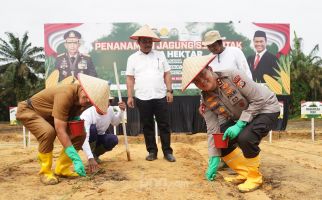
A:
98,140
241,109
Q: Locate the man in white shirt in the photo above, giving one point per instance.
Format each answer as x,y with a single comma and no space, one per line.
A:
98,140
149,72
226,57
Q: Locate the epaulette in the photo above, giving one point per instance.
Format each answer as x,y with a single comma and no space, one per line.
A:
61,54
222,74
86,55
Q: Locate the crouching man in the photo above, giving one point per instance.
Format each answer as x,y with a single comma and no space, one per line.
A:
98,140
46,115
241,109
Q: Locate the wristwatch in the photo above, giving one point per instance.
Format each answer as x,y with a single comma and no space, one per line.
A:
170,91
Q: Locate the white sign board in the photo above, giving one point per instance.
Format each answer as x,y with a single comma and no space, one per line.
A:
13,112
311,109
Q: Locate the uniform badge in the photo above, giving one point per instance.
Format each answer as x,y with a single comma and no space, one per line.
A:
235,99
63,64
211,98
71,34
225,86
241,84
213,104
241,103
82,64
236,79
221,110
229,91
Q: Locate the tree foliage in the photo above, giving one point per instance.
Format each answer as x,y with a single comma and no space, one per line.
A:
306,76
21,71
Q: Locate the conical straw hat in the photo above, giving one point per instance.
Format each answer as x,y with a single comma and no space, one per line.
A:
97,90
191,67
52,79
145,31
68,80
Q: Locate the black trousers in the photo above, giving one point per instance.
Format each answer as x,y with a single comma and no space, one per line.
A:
250,137
158,108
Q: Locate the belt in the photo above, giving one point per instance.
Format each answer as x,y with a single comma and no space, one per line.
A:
28,101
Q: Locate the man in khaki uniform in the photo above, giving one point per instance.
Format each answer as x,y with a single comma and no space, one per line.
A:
241,109
46,115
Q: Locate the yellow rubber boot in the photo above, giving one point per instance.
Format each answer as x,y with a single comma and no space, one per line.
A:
254,177
237,162
63,165
47,177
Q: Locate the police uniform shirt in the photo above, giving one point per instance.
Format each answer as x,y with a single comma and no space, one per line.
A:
233,58
238,98
102,122
148,71
69,66
59,102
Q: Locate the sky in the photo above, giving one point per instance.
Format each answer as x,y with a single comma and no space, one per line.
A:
19,16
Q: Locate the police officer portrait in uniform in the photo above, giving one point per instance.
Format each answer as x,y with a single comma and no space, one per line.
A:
73,62
240,108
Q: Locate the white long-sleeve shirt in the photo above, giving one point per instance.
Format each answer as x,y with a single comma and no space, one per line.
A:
102,123
231,58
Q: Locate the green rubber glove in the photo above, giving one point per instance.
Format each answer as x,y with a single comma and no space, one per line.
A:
233,131
75,118
78,164
213,164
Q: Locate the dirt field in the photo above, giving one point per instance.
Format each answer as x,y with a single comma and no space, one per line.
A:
291,165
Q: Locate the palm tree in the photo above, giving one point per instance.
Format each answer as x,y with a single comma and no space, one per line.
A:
21,65
306,75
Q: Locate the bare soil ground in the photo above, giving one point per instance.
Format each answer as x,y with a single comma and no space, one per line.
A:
291,165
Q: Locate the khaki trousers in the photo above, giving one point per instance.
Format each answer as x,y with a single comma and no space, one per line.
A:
43,130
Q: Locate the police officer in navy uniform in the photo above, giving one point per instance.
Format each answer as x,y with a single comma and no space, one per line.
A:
73,62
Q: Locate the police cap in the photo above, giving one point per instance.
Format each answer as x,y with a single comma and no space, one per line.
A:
72,34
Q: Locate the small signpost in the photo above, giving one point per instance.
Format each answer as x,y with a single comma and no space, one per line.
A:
13,112
311,109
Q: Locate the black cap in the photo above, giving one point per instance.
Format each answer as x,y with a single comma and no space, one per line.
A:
260,34
72,34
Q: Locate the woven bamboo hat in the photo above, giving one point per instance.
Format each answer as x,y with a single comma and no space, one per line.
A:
52,79
145,31
68,80
211,37
191,67
97,90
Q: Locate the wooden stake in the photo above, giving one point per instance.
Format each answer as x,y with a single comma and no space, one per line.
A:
122,117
